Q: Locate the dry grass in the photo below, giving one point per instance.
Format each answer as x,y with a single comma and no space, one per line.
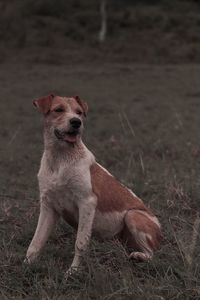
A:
143,126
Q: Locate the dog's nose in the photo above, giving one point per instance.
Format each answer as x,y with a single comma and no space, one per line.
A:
75,122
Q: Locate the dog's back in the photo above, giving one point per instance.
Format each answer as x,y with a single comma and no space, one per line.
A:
112,195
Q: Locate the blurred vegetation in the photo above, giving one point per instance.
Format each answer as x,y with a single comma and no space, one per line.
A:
149,30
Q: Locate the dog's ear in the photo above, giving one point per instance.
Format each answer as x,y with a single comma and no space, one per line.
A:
44,103
83,104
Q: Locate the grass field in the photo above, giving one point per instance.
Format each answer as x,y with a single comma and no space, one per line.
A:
143,125
155,31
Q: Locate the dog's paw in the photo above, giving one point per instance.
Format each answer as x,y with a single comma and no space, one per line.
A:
26,261
70,272
140,256
29,259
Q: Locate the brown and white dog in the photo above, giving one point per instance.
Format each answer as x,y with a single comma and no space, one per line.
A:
73,185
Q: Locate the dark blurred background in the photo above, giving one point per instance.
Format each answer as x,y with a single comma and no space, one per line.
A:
149,31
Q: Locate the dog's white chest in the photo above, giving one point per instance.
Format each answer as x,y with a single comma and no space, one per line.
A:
65,187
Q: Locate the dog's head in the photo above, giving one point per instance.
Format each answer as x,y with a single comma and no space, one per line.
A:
63,116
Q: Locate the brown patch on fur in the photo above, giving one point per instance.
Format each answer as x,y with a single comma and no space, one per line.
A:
83,104
141,224
76,106
44,103
59,101
48,104
111,194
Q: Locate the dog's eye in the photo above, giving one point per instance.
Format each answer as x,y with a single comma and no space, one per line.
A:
79,112
59,109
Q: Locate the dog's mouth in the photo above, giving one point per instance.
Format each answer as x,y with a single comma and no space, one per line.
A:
70,136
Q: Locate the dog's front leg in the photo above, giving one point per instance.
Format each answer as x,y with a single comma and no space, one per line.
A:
46,222
86,217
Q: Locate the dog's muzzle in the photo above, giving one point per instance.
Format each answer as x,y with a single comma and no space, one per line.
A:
70,136
58,134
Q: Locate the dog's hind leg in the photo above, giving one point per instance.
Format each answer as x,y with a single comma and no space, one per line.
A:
142,234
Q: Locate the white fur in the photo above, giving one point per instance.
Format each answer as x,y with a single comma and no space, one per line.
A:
104,169
65,185
132,192
107,225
